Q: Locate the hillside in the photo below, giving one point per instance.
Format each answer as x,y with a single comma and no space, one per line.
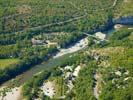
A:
66,49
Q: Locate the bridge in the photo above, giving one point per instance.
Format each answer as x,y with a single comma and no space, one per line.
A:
89,35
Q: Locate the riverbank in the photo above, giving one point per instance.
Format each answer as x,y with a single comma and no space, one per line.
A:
12,94
78,46
53,62
26,63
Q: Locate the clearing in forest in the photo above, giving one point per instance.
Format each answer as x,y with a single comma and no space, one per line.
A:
6,62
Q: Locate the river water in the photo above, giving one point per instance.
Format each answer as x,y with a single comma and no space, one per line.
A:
55,61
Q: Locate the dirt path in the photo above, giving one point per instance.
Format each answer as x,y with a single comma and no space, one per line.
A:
54,24
97,78
59,23
115,2
85,10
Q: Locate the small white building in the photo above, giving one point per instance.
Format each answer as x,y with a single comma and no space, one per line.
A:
69,68
100,35
49,43
37,42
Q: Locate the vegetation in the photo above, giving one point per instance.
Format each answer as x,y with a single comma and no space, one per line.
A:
6,62
55,74
19,15
31,88
29,58
123,8
29,27
118,75
84,83
121,38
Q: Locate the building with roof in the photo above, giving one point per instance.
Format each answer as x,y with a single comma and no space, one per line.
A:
100,35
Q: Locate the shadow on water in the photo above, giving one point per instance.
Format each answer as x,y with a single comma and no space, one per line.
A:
124,20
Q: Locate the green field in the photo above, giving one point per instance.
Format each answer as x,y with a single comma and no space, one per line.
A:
7,62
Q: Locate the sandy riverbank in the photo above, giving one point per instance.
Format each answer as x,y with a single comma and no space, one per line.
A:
13,94
78,46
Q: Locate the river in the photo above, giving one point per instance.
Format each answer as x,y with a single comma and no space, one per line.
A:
53,62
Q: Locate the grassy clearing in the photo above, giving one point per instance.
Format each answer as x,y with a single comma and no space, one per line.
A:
6,62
